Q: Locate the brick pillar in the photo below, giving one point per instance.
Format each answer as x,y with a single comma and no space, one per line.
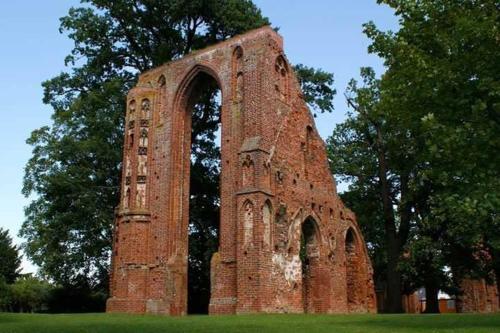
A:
132,237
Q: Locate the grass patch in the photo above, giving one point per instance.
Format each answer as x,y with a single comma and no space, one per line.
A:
97,323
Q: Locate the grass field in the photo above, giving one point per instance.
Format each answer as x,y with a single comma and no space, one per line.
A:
97,323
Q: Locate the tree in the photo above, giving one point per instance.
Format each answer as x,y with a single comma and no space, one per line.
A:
365,151
316,85
75,167
446,53
5,296
437,107
9,257
30,294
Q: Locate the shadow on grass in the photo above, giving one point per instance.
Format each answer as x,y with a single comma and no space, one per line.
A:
432,323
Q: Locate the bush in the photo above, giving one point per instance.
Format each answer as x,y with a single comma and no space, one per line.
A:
29,294
5,296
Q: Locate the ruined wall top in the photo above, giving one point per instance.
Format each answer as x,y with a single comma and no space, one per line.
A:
266,32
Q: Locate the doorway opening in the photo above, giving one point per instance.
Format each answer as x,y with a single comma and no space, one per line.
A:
309,257
353,264
204,105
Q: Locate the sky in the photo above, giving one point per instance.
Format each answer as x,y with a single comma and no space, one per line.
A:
326,34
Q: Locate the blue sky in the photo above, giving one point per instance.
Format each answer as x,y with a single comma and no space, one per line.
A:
319,33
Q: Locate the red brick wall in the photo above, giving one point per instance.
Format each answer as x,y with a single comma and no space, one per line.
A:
274,176
478,296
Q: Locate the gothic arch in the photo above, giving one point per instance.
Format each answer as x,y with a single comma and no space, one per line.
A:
237,63
312,235
309,142
248,172
267,216
354,274
238,52
145,108
282,85
131,108
187,84
162,81
181,139
161,100
238,87
248,214
194,81
310,259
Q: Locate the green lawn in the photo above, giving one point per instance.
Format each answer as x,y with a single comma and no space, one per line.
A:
96,323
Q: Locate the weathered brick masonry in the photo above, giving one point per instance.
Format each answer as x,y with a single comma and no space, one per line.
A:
478,296
276,187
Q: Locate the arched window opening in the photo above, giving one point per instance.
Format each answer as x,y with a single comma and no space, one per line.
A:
162,82
353,275
130,139
145,109
350,242
309,257
309,136
131,110
237,61
131,124
237,87
281,86
237,74
247,223
248,173
203,107
266,219
143,140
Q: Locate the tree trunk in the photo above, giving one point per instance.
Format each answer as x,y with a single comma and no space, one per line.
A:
394,294
431,298
393,240
497,280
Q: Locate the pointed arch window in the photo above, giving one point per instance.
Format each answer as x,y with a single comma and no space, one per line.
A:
281,73
145,109
266,220
248,223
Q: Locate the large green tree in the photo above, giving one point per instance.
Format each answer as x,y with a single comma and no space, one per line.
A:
436,112
366,152
75,168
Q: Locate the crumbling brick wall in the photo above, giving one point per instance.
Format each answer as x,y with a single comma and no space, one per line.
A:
275,182
478,296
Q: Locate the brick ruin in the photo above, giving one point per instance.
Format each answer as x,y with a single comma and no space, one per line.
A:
475,296
276,192
478,296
